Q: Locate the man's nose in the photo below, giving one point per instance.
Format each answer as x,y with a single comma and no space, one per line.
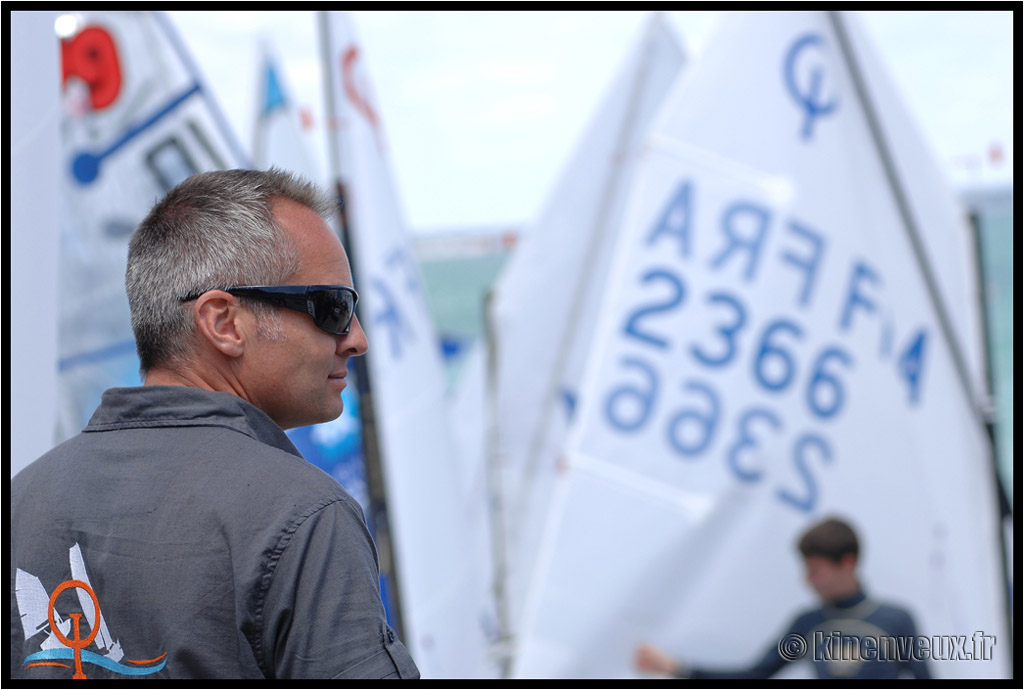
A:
354,343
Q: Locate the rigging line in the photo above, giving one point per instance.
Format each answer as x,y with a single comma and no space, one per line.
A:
981,415
906,215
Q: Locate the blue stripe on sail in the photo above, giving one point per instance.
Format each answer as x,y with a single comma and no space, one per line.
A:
96,659
118,349
86,165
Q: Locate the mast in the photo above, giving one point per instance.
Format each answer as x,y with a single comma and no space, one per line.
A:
367,412
505,643
981,413
989,414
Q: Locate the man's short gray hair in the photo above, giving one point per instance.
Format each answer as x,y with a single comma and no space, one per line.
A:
213,230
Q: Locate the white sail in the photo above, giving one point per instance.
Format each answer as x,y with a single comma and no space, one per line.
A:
769,353
34,156
546,300
442,592
138,119
34,607
103,639
280,136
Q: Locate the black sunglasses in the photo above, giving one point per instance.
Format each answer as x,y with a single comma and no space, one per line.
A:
331,306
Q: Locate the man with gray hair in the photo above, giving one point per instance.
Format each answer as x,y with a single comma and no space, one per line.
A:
181,534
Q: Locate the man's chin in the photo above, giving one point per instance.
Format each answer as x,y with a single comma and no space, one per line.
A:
333,412
324,416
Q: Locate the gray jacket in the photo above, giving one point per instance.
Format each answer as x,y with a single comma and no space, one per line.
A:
182,535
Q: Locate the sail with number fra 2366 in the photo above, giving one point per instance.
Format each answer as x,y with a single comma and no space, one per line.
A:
791,331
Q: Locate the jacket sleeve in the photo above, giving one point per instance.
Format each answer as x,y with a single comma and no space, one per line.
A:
770,663
322,614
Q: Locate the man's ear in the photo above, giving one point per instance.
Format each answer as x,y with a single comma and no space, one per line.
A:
219,317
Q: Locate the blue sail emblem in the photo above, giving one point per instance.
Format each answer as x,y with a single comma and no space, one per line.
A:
807,92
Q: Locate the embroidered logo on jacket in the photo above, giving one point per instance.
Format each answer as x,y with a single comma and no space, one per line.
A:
69,640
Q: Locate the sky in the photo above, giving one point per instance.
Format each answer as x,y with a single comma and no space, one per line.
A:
482,109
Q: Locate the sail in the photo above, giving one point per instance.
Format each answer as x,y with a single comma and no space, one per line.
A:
442,595
34,606
103,639
138,120
770,352
280,137
34,150
545,302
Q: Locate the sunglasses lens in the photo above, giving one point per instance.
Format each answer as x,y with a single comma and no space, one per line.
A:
334,309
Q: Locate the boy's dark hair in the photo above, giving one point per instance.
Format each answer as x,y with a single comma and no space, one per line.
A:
831,538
